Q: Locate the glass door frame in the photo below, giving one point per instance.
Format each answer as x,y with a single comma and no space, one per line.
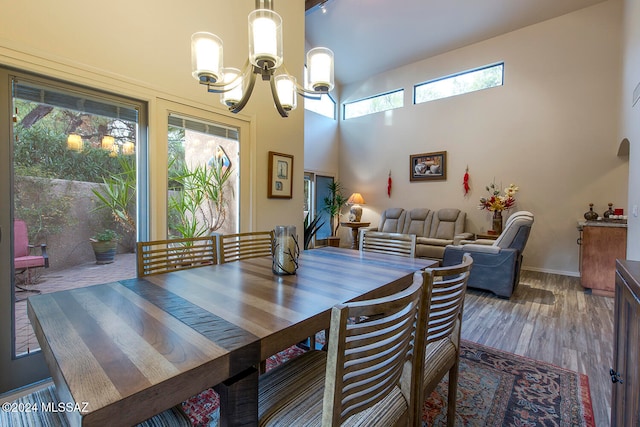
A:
158,160
14,372
24,370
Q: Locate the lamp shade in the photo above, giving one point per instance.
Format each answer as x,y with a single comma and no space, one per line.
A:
107,142
286,88
74,142
128,148
265,39
206,57
356,199
320,69
235,89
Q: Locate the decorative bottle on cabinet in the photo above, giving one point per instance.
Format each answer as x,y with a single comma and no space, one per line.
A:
609,212
590,215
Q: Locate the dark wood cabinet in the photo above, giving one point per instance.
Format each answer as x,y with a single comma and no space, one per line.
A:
601,246
625,373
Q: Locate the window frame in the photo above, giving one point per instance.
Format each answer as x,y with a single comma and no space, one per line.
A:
458,74
333,101
380,95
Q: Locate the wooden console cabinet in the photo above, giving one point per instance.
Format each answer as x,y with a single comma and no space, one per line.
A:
625,373
601,245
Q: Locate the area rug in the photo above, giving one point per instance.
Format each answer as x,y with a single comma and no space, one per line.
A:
495,389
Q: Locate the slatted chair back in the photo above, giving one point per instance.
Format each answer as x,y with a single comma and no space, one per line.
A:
235,247
446,289
388,243
366,360
162,256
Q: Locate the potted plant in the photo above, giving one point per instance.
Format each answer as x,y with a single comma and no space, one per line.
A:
118,195
310,229
333,204
104,245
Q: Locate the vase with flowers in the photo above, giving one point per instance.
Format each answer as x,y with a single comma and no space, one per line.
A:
497,203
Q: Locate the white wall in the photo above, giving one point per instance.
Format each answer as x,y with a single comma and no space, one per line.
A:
630,128
321,144
141,49
551,129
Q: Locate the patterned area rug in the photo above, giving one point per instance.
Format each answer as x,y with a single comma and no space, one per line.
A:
495,389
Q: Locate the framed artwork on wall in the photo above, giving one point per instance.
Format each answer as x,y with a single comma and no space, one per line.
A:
428,166
280,176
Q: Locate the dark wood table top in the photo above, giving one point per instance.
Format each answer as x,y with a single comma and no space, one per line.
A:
136,347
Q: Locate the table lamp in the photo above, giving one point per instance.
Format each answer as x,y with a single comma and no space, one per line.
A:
355,200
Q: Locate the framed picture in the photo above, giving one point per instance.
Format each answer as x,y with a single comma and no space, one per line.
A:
428,166
280,176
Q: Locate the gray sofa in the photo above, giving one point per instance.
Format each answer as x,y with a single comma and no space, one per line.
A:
496,264
434,230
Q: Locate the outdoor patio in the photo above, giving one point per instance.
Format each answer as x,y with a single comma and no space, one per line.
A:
79,276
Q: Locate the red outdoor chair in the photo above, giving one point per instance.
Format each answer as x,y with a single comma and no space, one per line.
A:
23,261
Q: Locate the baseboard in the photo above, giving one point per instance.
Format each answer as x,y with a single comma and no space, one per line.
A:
17,393
559,272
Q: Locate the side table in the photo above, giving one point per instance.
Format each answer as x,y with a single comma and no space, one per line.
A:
487,236
355,226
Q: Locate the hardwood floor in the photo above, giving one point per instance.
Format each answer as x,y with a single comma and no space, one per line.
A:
550,318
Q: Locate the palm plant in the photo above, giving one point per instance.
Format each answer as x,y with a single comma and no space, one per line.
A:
310,229
118,195
201,205
333,204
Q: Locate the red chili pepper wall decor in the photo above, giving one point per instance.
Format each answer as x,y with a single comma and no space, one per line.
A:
465,181
389,182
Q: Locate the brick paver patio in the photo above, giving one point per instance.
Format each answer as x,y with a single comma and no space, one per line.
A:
79,276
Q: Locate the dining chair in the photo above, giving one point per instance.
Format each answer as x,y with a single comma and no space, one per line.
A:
388,243
364,378
446,291
24,260
238,246
45,411
162,256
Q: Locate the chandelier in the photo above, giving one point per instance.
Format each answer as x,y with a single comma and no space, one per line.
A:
265,59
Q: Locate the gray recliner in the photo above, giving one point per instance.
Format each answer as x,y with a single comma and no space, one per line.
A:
391,221
496,267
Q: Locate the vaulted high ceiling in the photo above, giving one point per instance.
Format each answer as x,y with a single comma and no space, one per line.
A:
372,36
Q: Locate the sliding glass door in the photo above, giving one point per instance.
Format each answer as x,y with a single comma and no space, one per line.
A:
69,188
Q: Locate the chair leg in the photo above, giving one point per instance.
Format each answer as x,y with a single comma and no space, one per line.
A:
27,279
312,342
452,392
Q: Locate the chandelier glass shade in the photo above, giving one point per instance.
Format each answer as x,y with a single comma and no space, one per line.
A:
107,142
75,142
266,59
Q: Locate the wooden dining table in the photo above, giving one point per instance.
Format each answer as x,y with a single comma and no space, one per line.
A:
124,351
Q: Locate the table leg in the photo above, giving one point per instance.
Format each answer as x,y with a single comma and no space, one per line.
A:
354,240
239,399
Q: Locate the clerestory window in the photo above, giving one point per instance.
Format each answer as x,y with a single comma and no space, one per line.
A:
460,83
374,104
